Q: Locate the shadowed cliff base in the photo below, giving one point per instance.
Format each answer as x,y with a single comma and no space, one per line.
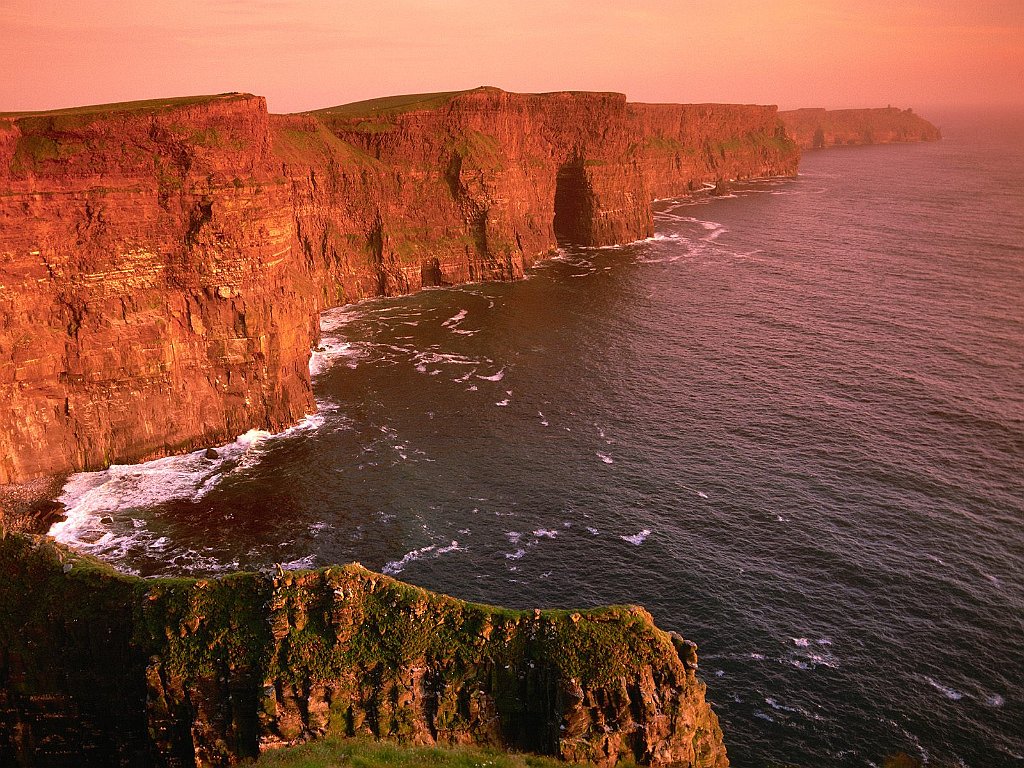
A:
573,207
99,668
164,263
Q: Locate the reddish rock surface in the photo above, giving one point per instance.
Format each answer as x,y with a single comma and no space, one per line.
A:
163,264
821,128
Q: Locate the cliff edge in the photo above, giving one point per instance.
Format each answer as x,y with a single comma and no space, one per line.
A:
163,263
99,668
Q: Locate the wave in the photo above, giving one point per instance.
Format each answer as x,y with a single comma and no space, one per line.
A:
637,538
92,500
950,693
430,551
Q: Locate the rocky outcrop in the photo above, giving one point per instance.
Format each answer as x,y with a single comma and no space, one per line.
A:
163,264
98,668
821,128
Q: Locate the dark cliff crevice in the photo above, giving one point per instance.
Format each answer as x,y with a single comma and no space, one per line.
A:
573,206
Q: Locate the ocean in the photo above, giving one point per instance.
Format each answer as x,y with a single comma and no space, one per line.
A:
791,425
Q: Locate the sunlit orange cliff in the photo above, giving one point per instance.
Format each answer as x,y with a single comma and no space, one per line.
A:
163,264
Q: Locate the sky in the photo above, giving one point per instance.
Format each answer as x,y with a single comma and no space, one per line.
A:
307,54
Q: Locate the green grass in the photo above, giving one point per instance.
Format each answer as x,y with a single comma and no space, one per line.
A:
297,145
393,105
396,105
148,105
364,753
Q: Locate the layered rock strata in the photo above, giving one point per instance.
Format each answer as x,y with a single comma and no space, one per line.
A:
822,128
98,668
163,264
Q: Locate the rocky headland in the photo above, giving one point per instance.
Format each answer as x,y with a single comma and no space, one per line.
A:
98,668
823,128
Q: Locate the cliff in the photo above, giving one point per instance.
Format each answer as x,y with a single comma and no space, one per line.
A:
148,301
98,668
163,264
820,128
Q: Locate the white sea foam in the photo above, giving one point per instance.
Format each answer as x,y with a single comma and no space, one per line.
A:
502,402
433,357
543,421
396,566
300,564
495,377
331,350
545,533
950,693
605,458
802,642
430,551
90,498
638,538
823,660
454,321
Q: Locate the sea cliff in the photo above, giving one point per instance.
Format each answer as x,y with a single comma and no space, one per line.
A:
99,668
822,128
163,264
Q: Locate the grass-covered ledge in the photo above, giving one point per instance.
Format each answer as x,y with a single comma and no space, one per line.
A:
210,671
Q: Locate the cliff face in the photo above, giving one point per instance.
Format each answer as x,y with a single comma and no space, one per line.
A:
149,300
820,128
98,668
162,264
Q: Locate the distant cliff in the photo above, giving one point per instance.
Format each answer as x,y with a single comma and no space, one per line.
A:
163,263
821,128
98,668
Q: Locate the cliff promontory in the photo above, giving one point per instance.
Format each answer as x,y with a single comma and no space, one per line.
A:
98,668
163,263
821,128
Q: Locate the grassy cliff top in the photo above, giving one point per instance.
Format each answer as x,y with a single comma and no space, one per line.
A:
391,105
394,105
146,106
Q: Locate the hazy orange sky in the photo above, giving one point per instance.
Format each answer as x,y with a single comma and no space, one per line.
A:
303,54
